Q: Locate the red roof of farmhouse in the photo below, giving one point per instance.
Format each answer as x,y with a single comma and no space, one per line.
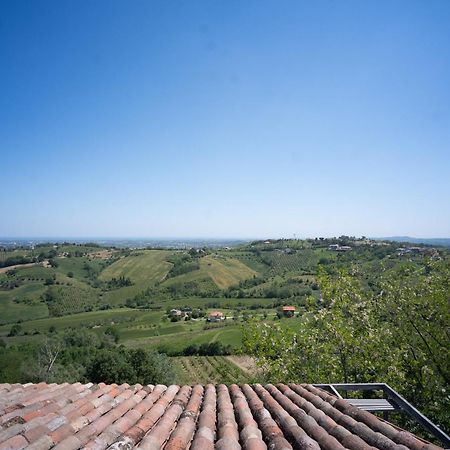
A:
254,417
216,313
288,308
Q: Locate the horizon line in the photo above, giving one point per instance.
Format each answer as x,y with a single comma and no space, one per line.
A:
246,238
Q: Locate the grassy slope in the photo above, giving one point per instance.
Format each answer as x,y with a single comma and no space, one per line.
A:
144,268
36,272
223,271
79,248
226,272
136,328
189,334
76,266
88,319
4,255
146,265
11,311
249,259
12,305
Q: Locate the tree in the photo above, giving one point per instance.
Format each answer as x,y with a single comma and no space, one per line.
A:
48,365
111,367
130,366
49,281
15,330
113,332
151,367
415,304
398,333
84,339
49,353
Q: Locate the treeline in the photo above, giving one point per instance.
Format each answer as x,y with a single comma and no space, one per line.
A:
182,263
259,287
16,260
27,259
206,349
115,283
195,288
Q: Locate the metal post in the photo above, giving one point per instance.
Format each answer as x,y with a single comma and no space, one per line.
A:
417,415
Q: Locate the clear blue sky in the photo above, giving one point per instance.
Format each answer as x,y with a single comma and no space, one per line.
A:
224,118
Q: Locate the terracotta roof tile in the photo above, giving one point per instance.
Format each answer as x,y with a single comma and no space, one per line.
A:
182,434
206,426
270,430
251,417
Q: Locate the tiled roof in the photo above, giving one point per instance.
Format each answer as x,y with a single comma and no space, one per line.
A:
254,417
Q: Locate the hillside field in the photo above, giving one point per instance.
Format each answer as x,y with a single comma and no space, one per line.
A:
209,369
141,267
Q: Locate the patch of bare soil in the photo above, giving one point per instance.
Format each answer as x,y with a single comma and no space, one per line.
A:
246,363
102,254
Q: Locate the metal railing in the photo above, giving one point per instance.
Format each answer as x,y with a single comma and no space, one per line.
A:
392,398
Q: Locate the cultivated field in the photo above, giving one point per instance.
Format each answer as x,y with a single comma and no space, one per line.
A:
175,337
222,272
142,267
208,369
226,272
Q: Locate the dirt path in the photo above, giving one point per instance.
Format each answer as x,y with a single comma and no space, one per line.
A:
20,266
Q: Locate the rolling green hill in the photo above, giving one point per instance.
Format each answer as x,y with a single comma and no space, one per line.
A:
144,268
221,270
141,267
22,303
78,288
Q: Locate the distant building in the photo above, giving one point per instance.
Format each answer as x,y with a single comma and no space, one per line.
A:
339,248
402,251
288,311
176,313
215,316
